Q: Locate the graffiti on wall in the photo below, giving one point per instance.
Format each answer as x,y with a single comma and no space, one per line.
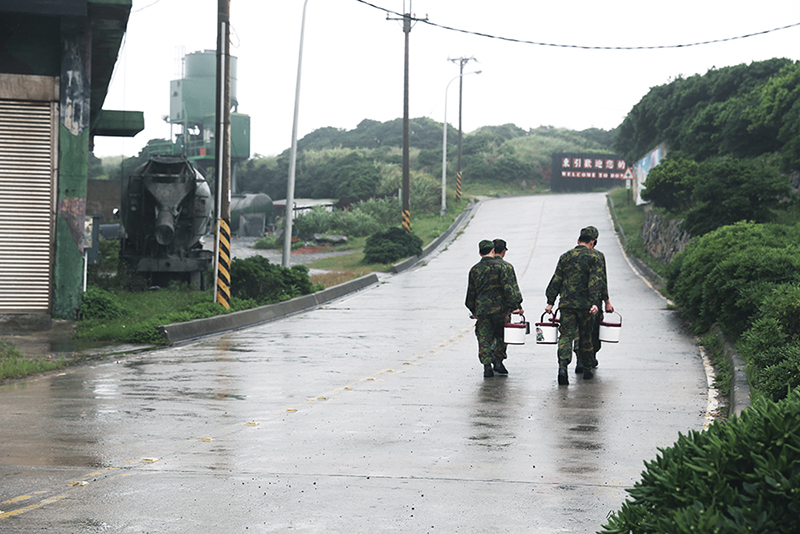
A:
643,167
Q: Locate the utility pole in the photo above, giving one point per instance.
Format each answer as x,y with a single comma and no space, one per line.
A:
461,62
406,187
222,157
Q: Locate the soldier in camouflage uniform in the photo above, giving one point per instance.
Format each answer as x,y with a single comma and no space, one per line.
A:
500,248
592,232
491,295
577,280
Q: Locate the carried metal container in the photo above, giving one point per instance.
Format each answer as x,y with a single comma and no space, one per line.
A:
514,329
547,331
609,329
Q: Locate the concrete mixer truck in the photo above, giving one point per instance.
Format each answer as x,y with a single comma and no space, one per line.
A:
166,209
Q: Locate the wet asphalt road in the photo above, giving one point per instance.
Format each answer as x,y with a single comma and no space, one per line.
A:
368,415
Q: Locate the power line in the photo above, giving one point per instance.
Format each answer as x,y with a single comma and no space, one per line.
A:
145,7
586,47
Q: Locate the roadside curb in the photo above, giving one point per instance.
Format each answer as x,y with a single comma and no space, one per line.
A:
740,389
191,330
739,398
219,324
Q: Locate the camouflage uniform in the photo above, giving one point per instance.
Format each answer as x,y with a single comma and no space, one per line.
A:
577,280
491,295
599,317
510,279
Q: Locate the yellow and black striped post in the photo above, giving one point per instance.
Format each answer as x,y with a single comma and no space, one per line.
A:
224,265
458,186
407,221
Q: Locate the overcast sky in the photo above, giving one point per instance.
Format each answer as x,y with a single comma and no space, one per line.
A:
353,59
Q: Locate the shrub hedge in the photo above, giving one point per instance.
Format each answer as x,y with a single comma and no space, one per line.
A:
741,475
723,276
772,345
746,278
258,280
392,245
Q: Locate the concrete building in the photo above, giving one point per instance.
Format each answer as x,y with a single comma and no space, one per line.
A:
56,62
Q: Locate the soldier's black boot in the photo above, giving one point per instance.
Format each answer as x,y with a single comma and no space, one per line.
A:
487,370
499,368
562,377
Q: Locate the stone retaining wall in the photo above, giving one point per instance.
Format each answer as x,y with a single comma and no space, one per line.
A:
662,237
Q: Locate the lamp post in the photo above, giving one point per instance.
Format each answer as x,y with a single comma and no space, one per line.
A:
444,143
289,210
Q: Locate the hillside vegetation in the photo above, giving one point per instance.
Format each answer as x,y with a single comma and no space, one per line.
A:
367,160
730,177
741,111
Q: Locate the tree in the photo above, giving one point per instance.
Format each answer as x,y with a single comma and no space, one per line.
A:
778,112
670,185
729,190
703,115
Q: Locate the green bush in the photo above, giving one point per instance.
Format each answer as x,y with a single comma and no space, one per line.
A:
267,242
771,346
362,219
392,245
784,305
736,285
778,379
257,279
741,475
100,304
690,280
670,184
730,190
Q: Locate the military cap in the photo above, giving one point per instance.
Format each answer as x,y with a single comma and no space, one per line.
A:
590,232
485,244
500,245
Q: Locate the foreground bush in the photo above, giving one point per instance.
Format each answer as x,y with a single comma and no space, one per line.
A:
742,475
392,245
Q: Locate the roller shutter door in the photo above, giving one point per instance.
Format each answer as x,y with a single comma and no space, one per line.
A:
27,154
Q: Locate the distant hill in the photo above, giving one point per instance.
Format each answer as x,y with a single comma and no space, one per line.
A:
426,134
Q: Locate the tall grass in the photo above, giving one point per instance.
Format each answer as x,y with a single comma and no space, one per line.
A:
630,219
144,311
13,364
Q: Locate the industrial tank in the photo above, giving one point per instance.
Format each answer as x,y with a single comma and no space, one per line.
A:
250,213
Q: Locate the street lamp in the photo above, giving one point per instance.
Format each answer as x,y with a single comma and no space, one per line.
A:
444,142
289,210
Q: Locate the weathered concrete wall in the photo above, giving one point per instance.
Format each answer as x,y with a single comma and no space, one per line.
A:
73,153
663,238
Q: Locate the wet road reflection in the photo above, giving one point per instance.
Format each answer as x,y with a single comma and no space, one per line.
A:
370,414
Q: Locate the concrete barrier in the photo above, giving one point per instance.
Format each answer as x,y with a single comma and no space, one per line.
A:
190,330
